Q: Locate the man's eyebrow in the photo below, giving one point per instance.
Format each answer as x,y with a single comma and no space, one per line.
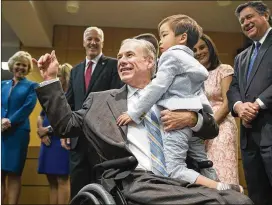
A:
163,31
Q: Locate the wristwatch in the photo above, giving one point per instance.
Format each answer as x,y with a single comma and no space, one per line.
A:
50,130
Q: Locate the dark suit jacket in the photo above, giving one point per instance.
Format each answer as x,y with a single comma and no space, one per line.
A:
104,77
259,86
97,119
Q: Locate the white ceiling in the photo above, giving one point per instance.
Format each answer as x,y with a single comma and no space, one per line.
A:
42,15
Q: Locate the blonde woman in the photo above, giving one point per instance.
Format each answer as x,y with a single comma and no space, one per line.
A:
17,102
54,154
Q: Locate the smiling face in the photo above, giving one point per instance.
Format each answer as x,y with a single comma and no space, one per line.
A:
93,44
20,69
202,53
134,67
253,24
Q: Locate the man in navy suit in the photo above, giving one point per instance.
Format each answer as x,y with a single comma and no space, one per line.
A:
250,99
96,73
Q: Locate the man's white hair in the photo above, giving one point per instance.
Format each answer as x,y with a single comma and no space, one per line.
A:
99,31
148,48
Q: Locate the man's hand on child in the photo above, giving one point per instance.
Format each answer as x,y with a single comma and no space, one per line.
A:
123,119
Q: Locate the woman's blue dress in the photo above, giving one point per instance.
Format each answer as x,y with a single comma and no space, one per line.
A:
53,159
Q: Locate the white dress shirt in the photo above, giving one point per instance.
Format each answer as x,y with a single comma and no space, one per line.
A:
137,137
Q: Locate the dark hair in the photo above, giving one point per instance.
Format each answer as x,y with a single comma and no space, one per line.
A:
184,24
214,58
260,7
150,38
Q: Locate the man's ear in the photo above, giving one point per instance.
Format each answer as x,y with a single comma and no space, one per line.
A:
266,16
151,62
182,39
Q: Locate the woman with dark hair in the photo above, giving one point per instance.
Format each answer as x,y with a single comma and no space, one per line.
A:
223,149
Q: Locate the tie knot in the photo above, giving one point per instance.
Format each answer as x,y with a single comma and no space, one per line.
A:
137,94
90,63
258,45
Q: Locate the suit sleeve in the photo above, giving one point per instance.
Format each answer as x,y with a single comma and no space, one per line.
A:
233,93
266,97
62,119
168,69
70,92
23,113
209,129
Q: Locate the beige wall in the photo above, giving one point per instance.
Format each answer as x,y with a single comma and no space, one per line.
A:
68,45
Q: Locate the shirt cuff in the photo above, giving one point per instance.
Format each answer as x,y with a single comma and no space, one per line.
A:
199,123
236,104
47,82
262,105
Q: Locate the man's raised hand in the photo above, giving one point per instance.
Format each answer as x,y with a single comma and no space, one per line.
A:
48,65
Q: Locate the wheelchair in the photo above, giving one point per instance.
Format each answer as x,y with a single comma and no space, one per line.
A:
97,194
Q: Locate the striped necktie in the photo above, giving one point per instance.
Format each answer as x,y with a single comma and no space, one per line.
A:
152,126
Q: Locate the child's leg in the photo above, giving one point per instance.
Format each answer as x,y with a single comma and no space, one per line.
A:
175,145
175,152
197,152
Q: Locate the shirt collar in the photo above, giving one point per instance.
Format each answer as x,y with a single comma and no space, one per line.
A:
131,91
182,47
95,60
264,36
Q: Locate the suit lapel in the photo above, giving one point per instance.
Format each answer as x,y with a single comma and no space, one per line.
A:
7,91
97,71
267,43
247,61
81,76
118,104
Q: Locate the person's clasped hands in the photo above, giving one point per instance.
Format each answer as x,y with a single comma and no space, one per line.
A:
5,124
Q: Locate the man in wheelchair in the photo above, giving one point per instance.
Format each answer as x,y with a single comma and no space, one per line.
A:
129,173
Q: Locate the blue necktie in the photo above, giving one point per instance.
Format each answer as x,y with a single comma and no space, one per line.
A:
152,125
252,59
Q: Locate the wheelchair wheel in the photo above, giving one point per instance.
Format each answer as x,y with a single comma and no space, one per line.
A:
84,198
96,194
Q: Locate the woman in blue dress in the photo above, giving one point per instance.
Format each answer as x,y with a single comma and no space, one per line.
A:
18,101
54,154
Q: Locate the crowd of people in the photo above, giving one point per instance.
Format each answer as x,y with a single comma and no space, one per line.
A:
161,110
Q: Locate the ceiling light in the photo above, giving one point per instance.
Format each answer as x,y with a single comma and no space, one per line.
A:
72,6
224,3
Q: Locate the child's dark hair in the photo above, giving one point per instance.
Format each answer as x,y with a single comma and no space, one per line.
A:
184,24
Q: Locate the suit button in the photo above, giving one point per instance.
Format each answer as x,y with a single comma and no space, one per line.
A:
247,95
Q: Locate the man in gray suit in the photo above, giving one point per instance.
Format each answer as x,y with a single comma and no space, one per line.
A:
97,119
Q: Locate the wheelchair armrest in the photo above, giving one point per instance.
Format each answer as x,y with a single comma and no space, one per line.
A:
121,163
117,163
205,164
197,166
